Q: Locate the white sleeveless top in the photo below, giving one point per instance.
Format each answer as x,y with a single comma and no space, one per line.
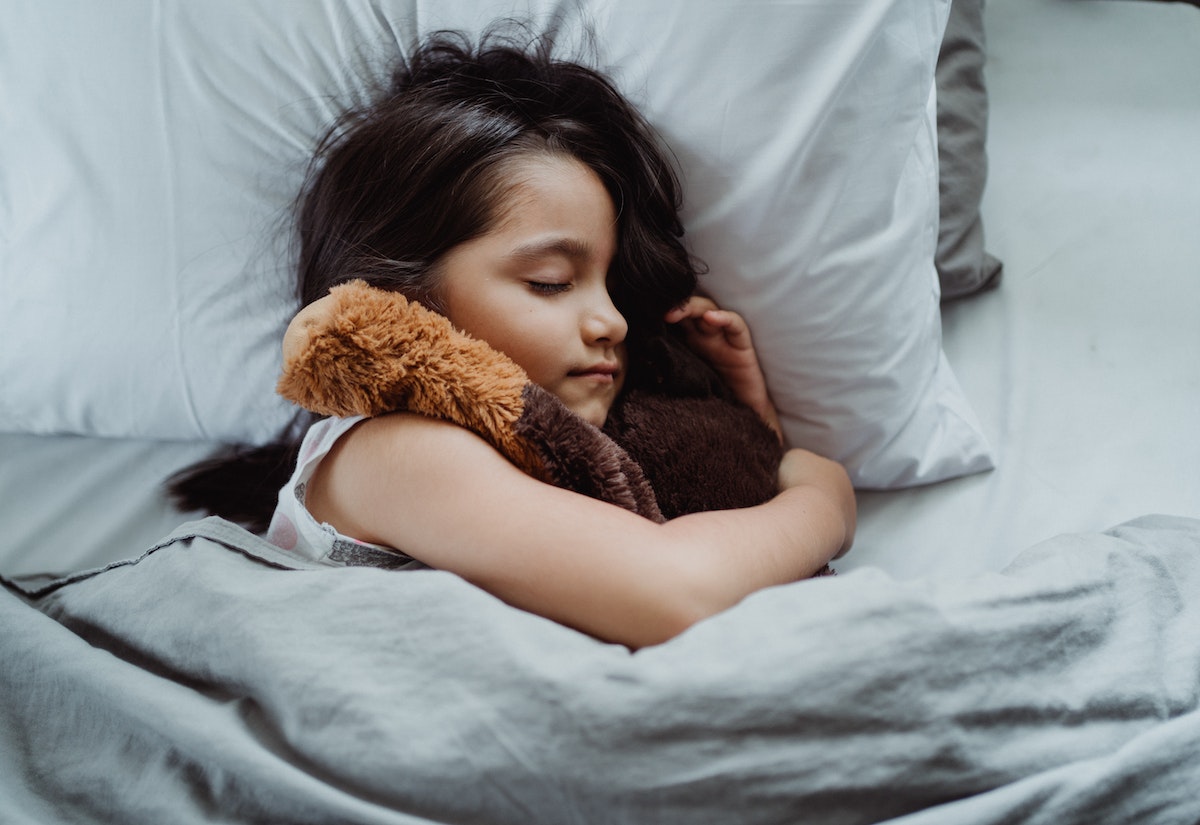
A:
294,529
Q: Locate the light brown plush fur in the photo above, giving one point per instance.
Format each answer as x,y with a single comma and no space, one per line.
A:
376,352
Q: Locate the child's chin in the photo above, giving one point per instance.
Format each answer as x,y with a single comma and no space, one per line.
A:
594,414
596,420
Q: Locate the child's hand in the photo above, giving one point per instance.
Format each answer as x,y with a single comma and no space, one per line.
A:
723,338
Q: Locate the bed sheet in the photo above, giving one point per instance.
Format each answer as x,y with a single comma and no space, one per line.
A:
70,503
1084,367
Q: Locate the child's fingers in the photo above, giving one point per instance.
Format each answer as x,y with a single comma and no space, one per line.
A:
729,324
706,317
693,307
706,322
675,314
709,322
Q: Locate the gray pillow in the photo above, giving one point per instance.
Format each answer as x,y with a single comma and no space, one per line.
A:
964,267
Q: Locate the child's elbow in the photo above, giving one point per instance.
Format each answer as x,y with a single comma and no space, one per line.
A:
670,621
677,607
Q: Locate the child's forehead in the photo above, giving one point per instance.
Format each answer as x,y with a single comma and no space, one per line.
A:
526,173
544,192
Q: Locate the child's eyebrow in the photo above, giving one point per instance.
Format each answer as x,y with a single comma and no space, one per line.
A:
572,248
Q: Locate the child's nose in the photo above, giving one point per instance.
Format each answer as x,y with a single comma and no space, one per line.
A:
604,323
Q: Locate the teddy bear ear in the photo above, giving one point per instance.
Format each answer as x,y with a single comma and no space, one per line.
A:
335,357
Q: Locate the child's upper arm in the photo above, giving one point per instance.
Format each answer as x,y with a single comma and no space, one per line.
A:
441,494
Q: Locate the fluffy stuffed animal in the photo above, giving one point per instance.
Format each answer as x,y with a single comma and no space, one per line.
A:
674,443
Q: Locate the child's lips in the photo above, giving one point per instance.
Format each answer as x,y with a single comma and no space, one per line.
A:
605,373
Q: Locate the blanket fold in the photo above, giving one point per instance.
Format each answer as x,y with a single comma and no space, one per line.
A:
217,678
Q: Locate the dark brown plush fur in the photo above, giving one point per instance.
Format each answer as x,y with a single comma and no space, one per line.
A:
579,457
698,453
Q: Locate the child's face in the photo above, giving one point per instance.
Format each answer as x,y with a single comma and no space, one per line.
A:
536,286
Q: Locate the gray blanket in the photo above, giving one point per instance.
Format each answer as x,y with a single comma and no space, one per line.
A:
215,679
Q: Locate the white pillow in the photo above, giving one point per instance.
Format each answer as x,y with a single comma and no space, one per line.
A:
149,153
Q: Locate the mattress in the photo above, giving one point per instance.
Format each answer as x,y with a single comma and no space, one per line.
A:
1083,366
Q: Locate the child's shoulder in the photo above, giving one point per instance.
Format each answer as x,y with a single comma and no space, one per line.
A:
390,473
409,456
405,442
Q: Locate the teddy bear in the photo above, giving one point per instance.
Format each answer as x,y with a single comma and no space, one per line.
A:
675,442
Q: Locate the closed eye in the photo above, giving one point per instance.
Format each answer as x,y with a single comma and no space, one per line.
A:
544,288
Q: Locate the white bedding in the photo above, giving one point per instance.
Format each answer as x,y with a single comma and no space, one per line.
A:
1082,366
1060,693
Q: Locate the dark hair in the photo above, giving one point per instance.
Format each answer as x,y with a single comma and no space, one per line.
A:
396,184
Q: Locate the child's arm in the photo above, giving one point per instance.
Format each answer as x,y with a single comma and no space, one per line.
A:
441,494
723,338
